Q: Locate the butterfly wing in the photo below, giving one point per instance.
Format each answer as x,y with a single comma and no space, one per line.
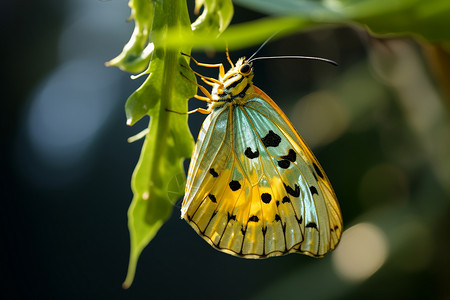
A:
255,189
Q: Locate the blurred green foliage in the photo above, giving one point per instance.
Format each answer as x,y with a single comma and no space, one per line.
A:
426,19
163,30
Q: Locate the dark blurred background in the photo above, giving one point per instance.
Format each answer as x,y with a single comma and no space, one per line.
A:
378,123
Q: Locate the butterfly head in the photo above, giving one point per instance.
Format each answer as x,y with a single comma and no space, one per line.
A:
244,67
236,83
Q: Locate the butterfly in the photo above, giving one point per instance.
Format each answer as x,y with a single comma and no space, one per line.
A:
254,188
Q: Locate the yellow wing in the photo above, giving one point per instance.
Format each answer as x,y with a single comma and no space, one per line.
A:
255,189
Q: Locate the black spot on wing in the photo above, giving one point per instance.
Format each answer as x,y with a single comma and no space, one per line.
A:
291,156
313,190
293,192
253,219
286,199
284,164
277,218
266,197
311,225
231,217
271,139
212,198
234,185
213,172
317,169
250,154
284,227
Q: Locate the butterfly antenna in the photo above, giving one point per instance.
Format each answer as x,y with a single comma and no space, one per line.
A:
262,45
295,57
286,56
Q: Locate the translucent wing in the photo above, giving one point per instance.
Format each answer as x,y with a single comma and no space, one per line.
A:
255,189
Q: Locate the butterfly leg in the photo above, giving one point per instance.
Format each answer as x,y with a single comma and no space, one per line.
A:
220,66
208,80
207,98
228,57
200,110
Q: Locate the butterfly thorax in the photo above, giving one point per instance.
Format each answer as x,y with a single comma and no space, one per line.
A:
235,87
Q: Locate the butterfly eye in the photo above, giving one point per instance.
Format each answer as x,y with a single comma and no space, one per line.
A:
245,69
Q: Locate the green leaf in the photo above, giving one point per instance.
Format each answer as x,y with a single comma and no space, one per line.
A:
136,53
168,141
215,18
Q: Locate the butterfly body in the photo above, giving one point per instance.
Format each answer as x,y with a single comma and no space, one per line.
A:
254,188
235,88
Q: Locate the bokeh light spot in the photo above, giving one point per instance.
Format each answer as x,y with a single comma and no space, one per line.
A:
69,110
65,117
320,117
362,251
